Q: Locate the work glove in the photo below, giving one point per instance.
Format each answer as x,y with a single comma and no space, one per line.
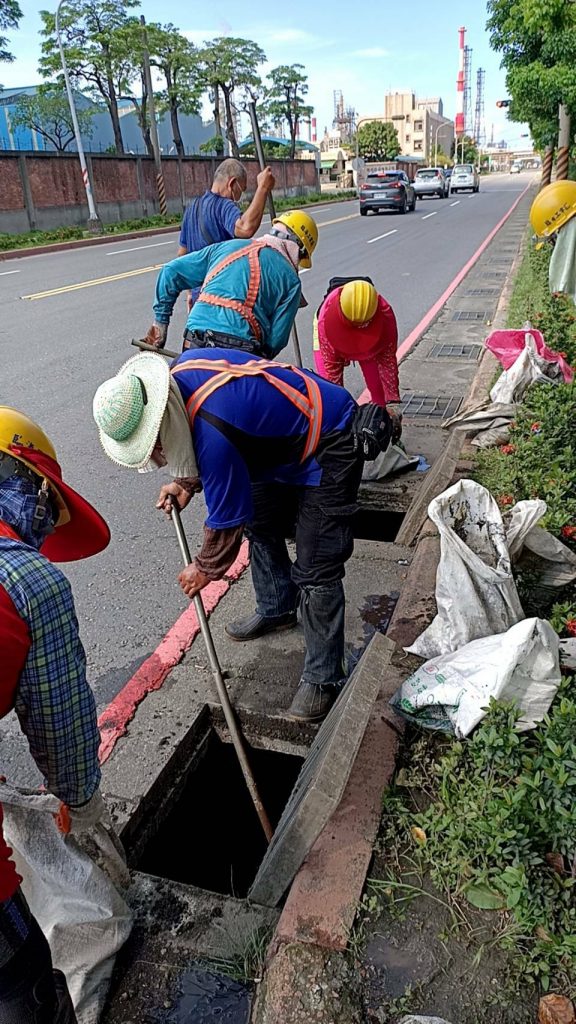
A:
72,820
157,335
396,418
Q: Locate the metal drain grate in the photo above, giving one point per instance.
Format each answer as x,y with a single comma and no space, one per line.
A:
433,407
455,352
470,314
483,291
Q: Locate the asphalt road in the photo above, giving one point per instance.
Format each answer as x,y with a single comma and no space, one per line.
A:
67,320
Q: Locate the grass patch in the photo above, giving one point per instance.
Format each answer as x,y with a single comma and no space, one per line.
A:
30,239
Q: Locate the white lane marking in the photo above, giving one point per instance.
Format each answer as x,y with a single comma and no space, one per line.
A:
305,271
4,273
154,245
456,203
378,237
430,215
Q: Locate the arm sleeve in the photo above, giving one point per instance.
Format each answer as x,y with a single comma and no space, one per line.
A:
219,550
183,240
284,317
386,358
54,703
185,272
227,215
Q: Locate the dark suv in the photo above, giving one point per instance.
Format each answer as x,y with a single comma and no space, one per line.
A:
387,190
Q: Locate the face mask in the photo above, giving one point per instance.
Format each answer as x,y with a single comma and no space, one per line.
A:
18,508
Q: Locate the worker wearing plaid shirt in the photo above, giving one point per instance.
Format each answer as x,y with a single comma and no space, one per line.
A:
44,680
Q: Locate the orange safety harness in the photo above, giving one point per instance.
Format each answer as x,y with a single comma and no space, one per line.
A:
310,404
243,308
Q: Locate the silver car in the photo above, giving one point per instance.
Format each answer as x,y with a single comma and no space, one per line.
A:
464,176
431,181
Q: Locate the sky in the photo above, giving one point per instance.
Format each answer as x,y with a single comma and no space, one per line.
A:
365,52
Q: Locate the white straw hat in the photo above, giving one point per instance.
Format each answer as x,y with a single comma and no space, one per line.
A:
128,409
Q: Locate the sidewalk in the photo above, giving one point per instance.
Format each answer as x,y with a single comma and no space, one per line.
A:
172,724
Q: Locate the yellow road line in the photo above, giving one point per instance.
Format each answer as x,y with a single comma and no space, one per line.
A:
94,281
325,223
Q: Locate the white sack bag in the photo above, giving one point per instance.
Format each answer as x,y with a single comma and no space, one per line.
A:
557,563
529,368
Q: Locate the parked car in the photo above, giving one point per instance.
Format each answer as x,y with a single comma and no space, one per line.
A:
464,176
431,181
387,190
516,168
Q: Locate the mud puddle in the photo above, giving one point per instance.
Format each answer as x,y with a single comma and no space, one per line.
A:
206,998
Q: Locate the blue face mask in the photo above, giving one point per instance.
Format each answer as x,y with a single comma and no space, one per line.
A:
18,505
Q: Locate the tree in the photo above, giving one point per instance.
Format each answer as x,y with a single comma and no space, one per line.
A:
178,61
465,151
285,99
378,140
47,112
213,146
10,14
537,40
95,51
228,64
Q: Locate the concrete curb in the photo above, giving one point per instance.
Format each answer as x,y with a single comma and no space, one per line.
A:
82,243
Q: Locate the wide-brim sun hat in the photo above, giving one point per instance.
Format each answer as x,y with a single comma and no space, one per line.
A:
129,407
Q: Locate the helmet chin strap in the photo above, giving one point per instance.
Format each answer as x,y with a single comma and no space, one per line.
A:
42,509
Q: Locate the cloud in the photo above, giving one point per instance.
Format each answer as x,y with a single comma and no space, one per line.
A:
371,52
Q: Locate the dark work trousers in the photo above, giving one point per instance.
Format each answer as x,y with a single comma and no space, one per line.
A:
321,518
30,991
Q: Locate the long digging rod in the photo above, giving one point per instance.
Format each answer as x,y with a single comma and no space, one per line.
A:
145,347
229,715
262,161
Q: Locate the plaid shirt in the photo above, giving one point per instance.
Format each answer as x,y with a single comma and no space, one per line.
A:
54,703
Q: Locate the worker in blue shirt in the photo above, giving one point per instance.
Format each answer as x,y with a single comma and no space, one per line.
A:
215,216
277,450
250,290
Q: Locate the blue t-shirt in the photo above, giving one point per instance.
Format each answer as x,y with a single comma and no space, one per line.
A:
248,431
220,216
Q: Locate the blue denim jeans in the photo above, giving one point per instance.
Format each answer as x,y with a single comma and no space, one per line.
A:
320,518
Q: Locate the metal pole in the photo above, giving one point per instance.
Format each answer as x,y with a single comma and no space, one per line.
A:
153,126
235,734
563,154
262,161
94,222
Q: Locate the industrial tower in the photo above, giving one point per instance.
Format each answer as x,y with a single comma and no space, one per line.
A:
479,128
344,117
468,90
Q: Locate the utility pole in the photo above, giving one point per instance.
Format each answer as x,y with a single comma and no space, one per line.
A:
94,222
563,155
153,126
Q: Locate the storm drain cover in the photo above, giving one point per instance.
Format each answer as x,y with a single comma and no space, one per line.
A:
435,407
483,291
324,775
455,352
469,314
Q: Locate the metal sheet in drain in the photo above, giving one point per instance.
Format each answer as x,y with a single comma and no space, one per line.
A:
434,407
470,314
324,775
455,352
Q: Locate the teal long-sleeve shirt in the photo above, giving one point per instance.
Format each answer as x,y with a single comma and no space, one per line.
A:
276,304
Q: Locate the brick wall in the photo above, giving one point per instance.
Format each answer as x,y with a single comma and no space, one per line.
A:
43,190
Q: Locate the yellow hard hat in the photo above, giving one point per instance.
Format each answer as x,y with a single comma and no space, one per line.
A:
359,301
553,207
19,435
81,529
306,230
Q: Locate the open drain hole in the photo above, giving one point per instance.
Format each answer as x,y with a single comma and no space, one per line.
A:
211,838
377,524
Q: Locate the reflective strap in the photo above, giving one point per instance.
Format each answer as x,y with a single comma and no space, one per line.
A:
310,405
245,308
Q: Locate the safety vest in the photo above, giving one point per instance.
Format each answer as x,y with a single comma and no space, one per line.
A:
244,308
310,404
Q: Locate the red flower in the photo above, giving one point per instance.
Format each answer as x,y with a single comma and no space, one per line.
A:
505,500
571,626
569,532
536,428
508,449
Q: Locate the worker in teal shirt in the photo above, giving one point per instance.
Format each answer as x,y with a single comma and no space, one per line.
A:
250,290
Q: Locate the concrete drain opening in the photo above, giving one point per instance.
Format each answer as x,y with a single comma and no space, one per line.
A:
377,524
211,837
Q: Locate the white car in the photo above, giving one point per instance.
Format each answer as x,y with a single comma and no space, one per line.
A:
515,169
464,177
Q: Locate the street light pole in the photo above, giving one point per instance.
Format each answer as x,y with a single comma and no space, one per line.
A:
94,223
438,129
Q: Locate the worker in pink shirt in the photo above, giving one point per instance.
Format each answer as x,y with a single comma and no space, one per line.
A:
356,324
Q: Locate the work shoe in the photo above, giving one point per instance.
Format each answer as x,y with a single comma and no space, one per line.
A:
256,625
312,703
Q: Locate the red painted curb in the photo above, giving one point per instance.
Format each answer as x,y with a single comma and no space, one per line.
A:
114,720
408,344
